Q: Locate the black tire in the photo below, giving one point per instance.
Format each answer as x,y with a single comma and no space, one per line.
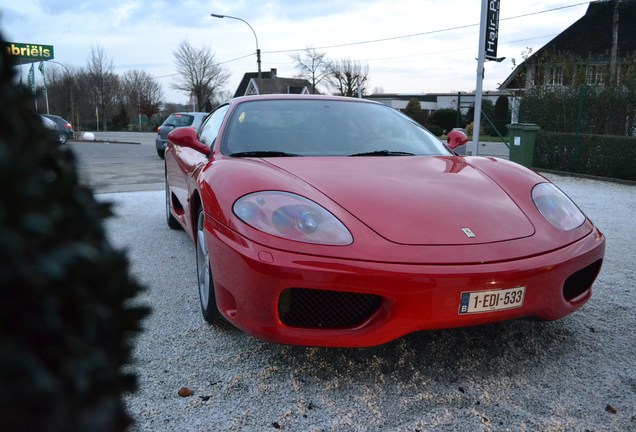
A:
173,223
160,153
205,282
63,138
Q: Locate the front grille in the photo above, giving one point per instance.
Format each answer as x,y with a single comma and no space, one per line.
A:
579,282
310,308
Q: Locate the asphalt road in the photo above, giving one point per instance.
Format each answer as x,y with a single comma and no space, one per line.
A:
128,161
119,162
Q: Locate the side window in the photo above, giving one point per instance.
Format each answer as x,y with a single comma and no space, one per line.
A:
210,129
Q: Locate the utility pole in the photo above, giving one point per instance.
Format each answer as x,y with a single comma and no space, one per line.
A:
614,49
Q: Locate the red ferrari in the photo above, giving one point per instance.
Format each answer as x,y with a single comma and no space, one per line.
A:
330,221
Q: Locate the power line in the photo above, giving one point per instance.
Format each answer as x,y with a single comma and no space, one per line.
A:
223,62
238,58
423,33
405,37
456,50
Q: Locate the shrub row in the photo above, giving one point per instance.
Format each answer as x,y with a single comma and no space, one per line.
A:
597,155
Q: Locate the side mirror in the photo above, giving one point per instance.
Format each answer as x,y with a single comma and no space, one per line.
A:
187,137
456,138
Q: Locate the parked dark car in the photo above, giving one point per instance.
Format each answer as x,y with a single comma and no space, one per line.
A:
64,127
48,123
176,120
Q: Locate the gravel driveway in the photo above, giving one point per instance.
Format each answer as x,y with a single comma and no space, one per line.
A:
576,374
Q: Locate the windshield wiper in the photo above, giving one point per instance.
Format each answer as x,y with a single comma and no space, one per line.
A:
384,153
263,153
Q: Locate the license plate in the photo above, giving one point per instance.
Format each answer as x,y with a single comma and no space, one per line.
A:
488,301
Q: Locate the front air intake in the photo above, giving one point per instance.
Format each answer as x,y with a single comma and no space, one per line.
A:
311,308
581,281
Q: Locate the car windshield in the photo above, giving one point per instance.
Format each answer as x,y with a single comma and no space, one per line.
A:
321,127
179,120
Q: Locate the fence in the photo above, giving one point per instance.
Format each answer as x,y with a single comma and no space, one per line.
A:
587,130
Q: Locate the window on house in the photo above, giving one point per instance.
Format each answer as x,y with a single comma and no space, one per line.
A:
554,76
596,75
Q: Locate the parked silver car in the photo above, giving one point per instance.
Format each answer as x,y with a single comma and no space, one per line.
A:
177,120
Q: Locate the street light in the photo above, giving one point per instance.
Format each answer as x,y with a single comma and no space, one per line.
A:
258,51
70,91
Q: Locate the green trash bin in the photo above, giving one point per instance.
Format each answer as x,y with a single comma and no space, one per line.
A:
523,136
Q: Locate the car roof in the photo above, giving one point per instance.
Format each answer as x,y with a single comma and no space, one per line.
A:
45,119
285,96
54,116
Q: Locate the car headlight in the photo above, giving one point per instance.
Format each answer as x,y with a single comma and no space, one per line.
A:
556,207
292,217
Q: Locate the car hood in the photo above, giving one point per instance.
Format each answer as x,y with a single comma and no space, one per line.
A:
416,200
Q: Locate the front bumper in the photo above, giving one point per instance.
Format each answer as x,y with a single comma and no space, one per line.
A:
250,280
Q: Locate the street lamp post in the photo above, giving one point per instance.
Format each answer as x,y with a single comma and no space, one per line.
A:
70,90
139,107
258,51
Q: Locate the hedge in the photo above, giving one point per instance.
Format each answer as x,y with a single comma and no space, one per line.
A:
596,155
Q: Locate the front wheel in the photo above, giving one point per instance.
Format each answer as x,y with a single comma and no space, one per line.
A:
204,274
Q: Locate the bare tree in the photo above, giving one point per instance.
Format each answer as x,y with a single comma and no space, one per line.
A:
142,92
104,84
84,104
348,77
312,65
199,75
224,96
59,85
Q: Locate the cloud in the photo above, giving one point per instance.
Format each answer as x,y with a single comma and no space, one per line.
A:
437,56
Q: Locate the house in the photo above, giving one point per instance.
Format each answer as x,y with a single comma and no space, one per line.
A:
598,48
399,101
271,83
431,102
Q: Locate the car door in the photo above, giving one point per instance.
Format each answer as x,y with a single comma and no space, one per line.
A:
191,162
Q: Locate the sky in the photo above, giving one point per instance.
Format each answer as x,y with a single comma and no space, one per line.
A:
410,46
